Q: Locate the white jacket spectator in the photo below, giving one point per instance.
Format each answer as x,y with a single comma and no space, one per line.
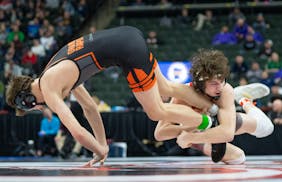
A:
38,48
48,40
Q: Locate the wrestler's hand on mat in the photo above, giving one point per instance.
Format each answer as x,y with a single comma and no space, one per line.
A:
98,158
183,139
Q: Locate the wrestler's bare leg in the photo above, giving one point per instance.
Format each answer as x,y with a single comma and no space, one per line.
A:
182,92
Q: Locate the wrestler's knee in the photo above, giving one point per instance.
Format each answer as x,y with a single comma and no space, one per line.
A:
238,157
156,113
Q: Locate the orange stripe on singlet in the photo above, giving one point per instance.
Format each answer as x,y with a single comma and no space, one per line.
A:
145,87
151,57
146,79
93,57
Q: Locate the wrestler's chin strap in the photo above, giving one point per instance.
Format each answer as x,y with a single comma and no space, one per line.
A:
215,98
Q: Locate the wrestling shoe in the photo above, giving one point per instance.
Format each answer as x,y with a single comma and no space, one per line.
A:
251,91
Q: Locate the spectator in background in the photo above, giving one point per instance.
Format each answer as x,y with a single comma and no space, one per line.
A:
29,62
52,4
48,40
206,20
3,17
68,7
266,50
265,79
152,40
41,15
243,81
44,27
240,29
17,44
276,113
276,91
235,15
13,54
33,28
82,10
11,69
12,14
38,49
19,7
184,19
249,44
6,5
3,34
256,35
224,37
67,19
63,32
49,128
29,10
274,64
165,21
278,78
239,68
255,73
15,31
260,24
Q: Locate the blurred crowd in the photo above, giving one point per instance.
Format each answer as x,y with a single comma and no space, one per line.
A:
31,31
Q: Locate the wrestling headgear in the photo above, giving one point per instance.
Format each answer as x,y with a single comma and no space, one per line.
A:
25,100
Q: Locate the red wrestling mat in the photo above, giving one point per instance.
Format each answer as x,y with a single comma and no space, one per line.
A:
145,169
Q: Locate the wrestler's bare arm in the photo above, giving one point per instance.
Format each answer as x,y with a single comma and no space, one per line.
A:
227,119
54,87
91,112
189,96
166,130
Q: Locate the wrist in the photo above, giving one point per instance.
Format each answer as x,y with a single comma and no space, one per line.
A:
206,123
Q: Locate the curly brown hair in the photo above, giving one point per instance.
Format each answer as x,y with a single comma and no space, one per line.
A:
208,64
17,84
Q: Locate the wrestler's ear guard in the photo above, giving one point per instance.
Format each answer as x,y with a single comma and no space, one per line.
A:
25,100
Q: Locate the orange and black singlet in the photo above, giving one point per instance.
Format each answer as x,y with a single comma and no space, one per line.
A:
122,46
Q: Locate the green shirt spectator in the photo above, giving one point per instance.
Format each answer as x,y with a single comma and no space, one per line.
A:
16,31
274,64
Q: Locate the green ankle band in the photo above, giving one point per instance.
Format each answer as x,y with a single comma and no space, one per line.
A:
205,122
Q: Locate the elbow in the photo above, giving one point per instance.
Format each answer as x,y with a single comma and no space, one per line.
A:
227,134
229,137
